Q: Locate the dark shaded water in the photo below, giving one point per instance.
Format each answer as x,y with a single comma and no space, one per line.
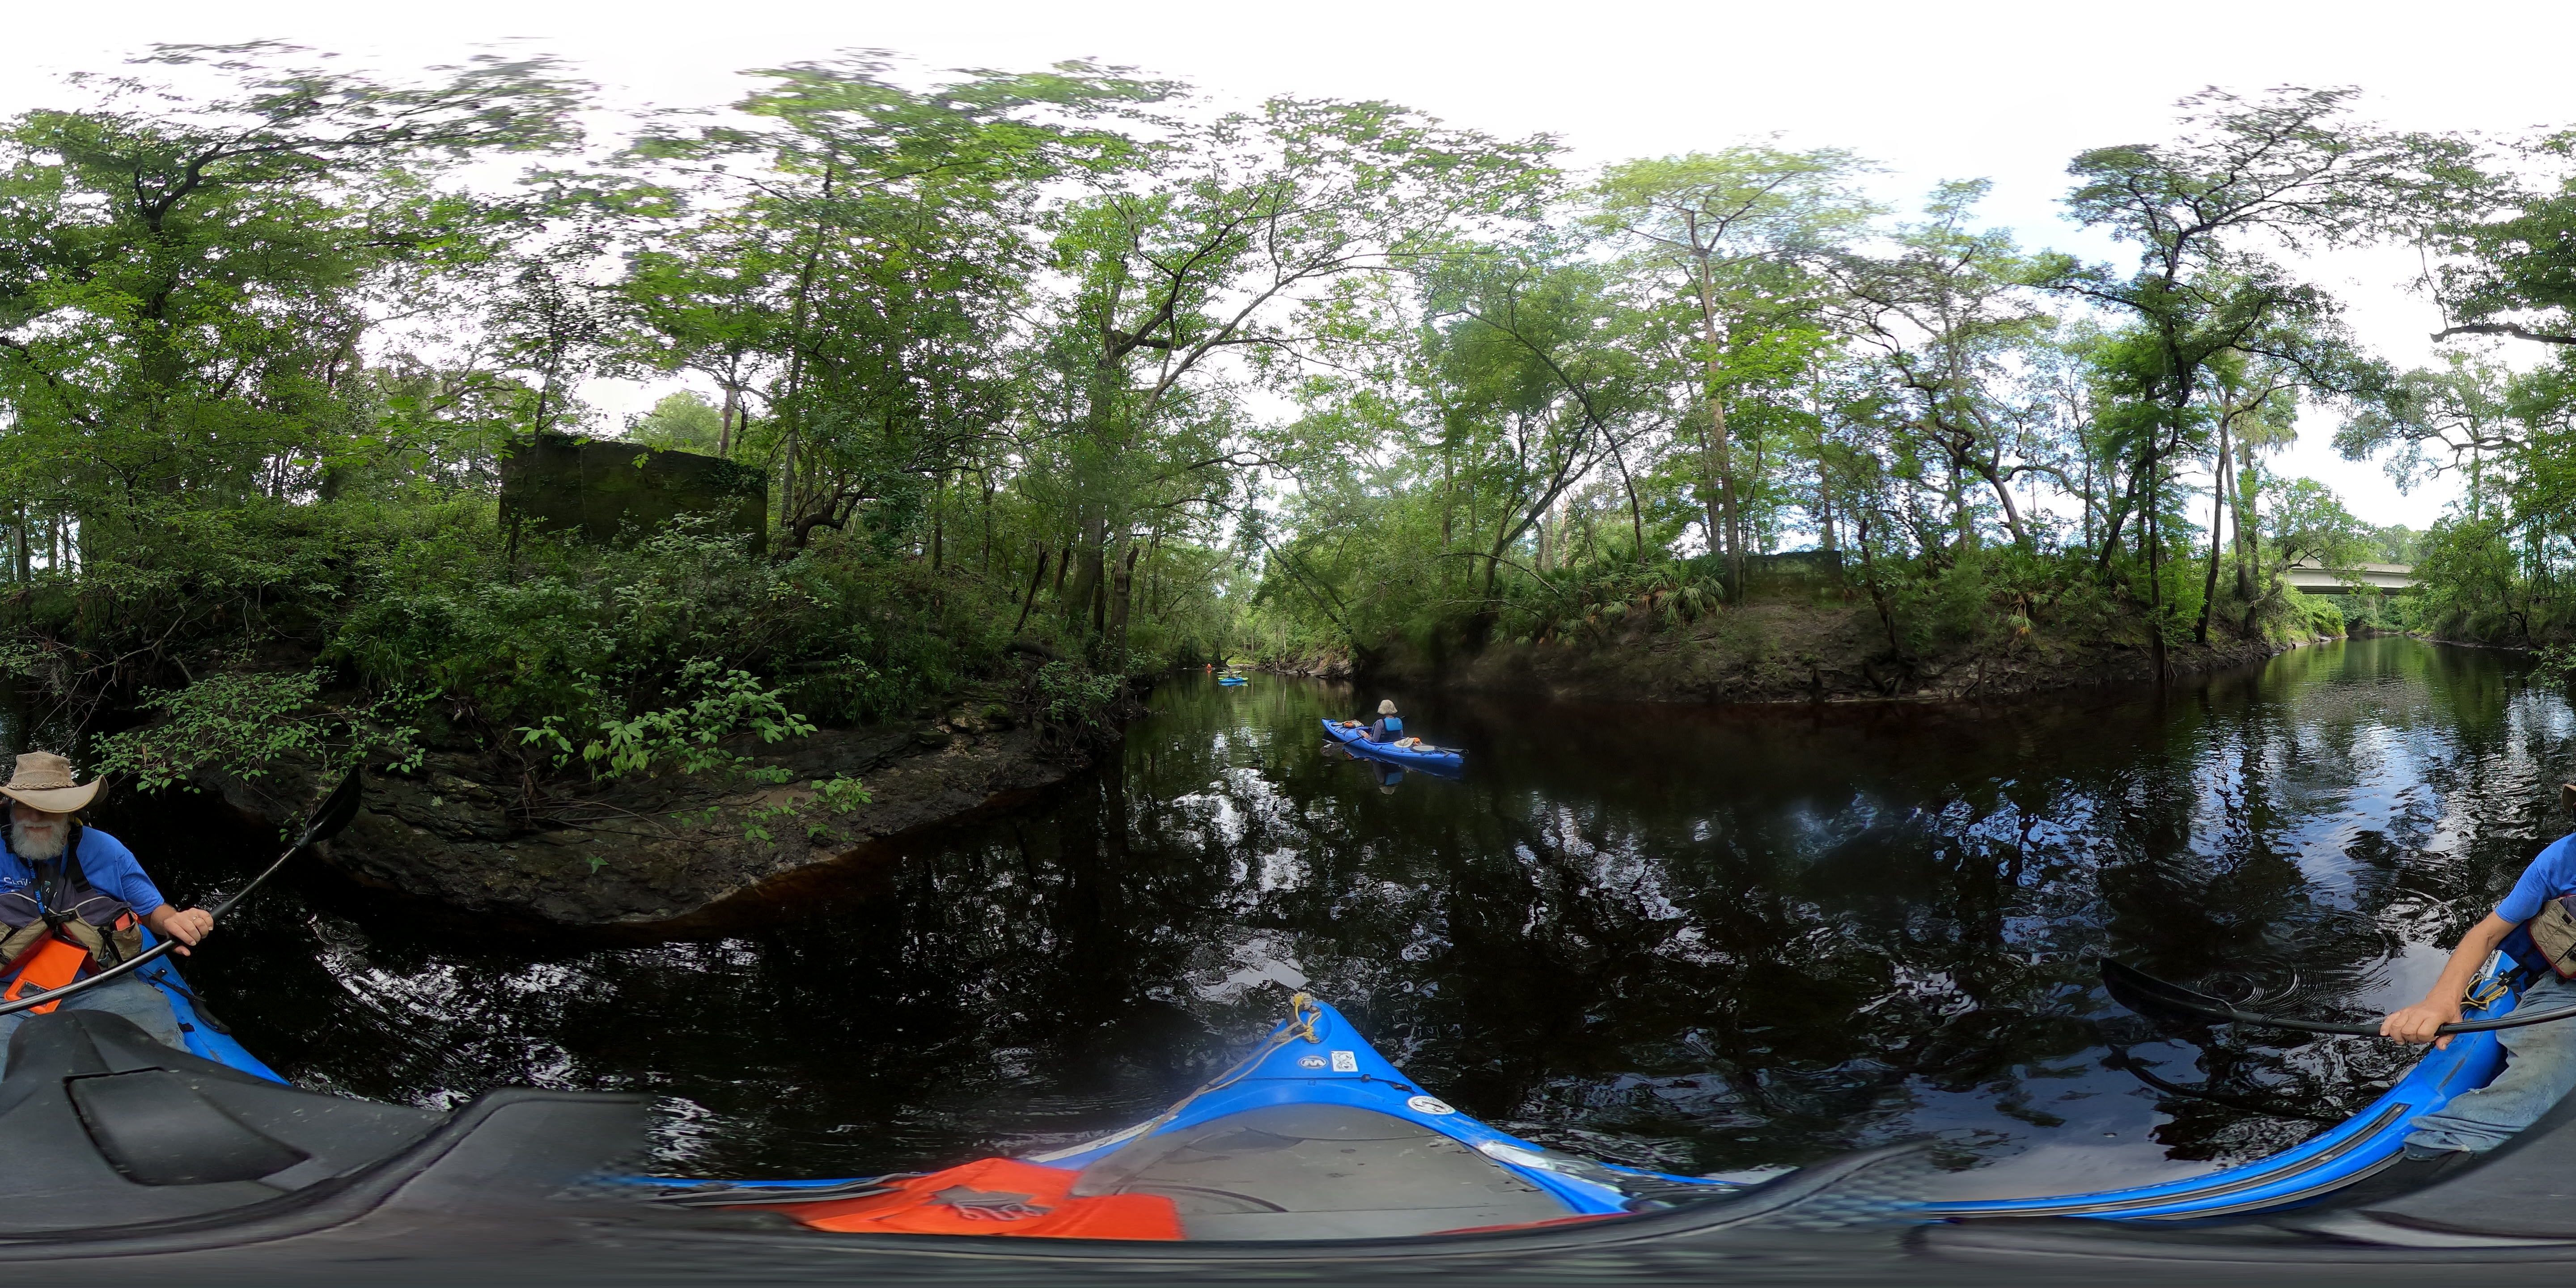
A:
1702,940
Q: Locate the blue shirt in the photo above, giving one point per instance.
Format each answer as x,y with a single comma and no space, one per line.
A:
2549,876
104,860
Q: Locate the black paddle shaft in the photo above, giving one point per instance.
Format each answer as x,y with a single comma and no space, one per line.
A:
2155,998
335,812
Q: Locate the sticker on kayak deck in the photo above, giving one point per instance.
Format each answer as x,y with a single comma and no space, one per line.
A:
1428,1105
1345,1062
1310,1062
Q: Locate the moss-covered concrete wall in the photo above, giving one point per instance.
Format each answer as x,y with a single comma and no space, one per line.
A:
614,491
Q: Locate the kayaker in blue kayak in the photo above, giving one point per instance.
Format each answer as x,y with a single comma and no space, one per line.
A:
1389,726
2536,927
72,898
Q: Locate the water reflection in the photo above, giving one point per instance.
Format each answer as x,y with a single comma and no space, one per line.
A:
1387,777
1699,939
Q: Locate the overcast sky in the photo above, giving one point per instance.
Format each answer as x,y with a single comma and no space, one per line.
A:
1987,88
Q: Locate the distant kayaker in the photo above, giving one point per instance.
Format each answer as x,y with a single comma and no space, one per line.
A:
1389,726
71,901
2540,1064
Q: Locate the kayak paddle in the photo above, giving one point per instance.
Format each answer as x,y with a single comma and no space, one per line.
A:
2162,999
335,812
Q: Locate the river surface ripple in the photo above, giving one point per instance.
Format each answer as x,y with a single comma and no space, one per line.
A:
1695,939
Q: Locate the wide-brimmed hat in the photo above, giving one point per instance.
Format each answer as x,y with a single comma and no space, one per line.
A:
1386,706
44,781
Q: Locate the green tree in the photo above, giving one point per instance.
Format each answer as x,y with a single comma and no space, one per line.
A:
1734,232
2280,169
185,285
1949,317
1242,233
684,421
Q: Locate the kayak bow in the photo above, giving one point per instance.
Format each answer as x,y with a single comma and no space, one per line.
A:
1313,1135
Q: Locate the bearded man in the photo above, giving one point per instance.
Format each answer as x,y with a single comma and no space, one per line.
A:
70,894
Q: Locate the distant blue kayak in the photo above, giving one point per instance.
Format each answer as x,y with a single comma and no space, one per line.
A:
1447,762
1230,679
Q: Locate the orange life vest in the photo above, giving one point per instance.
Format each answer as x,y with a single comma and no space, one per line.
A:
993,1196
52,963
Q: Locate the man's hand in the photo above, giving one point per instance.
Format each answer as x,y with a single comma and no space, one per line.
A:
2416,1024
185,926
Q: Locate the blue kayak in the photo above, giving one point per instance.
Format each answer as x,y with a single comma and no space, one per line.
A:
1313,1135
1434,760
2337,1157
205,1039
1230,679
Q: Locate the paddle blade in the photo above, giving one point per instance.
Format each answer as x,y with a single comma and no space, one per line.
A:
2155,998
337,809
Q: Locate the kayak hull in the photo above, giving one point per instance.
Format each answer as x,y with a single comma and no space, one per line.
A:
1445,763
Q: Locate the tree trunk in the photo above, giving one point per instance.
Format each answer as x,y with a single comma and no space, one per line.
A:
1077,603
2217,535
986,566
1081,600
2012,513
2150,533
1824,508
1716,461
1636,514
1122,589
797,314
2248,527
2088,494
1099,594
1035,579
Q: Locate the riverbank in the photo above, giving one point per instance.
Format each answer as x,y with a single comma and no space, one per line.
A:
660,855
1796,652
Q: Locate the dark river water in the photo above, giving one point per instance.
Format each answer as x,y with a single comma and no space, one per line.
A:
1697,939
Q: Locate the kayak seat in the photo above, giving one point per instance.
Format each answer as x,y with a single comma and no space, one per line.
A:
1318,1172
108,1127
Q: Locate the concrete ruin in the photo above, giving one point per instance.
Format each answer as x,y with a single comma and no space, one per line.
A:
603,490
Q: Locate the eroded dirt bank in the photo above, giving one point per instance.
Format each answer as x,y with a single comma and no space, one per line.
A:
466,833
1802,653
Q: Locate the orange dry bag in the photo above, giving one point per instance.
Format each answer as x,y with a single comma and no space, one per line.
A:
994,1196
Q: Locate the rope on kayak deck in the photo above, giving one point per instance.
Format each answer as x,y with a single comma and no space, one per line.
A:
1302,1014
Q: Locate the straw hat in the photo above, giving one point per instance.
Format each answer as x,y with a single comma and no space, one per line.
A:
44,781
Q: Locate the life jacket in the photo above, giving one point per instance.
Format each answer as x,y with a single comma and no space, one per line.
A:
1394,726
993,1196
52,963
60,905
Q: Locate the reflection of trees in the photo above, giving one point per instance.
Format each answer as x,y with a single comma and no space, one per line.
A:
1708,940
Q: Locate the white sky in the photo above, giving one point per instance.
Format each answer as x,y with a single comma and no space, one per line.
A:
1958,89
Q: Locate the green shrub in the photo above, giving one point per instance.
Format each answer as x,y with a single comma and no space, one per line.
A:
247,724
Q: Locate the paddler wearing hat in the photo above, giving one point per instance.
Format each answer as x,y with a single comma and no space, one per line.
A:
71,901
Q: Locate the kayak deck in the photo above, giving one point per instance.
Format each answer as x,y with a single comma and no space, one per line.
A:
1314,1135
2329,1161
